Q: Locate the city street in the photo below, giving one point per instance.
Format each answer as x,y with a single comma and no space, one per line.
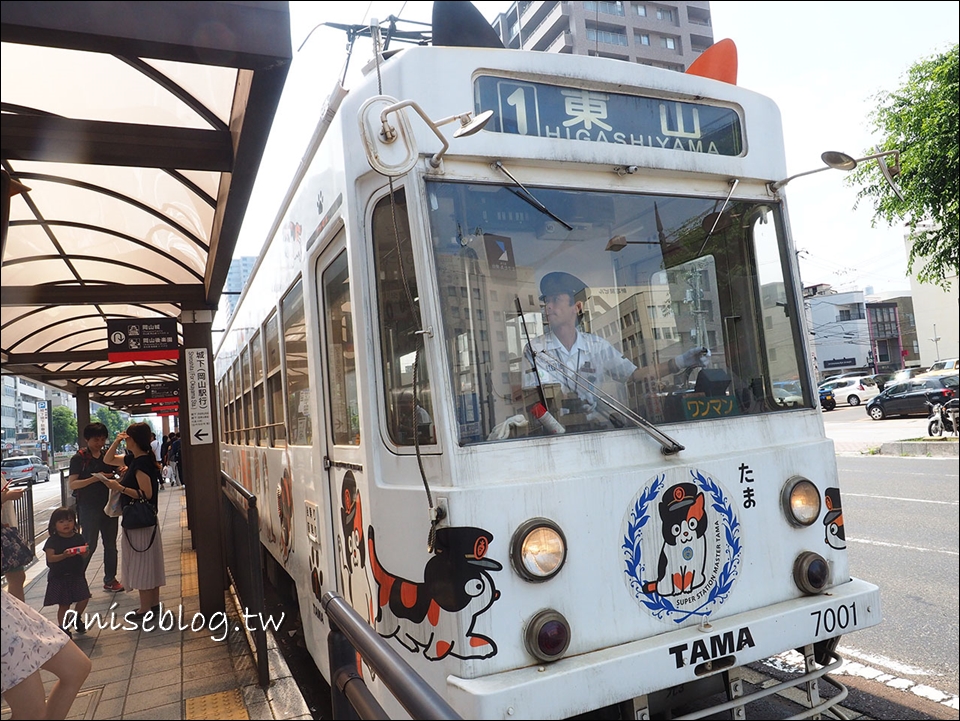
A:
853,431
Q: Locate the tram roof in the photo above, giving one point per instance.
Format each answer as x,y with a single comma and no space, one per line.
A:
138,128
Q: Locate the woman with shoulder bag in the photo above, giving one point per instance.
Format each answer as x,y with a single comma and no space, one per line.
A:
142,565
16,551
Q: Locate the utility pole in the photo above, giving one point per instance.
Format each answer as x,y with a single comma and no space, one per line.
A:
936,341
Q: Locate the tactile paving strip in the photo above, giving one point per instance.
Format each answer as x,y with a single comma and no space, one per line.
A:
223,705
189,585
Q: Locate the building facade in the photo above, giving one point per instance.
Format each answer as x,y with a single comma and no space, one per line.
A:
19,413
240,269
938,320
839,331
664,35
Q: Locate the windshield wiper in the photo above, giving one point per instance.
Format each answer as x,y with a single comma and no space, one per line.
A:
529,197
668,446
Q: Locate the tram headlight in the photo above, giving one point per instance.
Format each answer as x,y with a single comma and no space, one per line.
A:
548,635
801,501
538,549
811,573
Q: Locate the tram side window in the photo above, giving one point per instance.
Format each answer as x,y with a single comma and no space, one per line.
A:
295,356
274,382
397,297
341,353
259,403
786,388
246,397
240,422
222,409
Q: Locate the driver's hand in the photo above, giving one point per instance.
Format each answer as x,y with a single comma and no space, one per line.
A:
694,358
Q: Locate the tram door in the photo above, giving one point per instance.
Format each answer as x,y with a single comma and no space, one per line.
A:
343,440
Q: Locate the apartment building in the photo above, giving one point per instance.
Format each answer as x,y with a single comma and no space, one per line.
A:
664,35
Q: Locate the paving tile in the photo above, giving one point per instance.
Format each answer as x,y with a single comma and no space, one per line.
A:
160,663
200,655
152,699
211,684
150,653
109,708
154,680
166,711
116,689
205,669
101,677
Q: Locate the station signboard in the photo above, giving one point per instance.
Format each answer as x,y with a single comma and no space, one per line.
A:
142,339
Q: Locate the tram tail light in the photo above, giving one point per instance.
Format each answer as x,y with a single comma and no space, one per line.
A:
548,635
811,573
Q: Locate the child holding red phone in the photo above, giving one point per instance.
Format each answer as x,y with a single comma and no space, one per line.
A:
66,553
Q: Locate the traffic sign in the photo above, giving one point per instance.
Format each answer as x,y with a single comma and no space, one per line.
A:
198,397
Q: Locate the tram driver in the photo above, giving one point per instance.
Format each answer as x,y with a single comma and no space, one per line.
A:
575,363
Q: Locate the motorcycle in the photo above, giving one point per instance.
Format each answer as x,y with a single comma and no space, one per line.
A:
827,400
943,417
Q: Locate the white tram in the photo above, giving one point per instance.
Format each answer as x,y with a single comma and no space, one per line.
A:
543,529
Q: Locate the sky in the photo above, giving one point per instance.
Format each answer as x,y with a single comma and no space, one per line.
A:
823,63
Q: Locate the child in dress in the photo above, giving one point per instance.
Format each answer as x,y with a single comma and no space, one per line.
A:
66,557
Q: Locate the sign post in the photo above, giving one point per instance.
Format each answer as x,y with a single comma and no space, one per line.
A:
43,427
198,397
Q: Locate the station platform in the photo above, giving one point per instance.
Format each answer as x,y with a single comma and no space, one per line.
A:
178,673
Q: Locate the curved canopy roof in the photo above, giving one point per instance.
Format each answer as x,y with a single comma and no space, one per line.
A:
138,128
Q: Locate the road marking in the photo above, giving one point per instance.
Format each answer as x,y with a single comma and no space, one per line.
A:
905,547
793,661
894,498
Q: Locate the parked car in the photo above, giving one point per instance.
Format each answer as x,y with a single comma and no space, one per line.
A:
908,373
839,376
912,396
827,401
947,367
24,469
881,379
788,394
852,390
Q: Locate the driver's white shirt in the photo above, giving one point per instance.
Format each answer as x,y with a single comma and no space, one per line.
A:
591,359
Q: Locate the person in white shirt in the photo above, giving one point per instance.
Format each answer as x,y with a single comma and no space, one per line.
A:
580,361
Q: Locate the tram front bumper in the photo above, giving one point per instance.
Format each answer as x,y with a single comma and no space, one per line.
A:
601,678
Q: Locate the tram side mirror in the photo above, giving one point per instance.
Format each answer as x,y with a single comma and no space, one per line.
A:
392,126
389,153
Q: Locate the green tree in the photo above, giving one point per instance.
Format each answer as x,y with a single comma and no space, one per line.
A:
112,420
920,119
63,427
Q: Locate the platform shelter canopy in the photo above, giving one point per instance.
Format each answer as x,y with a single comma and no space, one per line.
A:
136,130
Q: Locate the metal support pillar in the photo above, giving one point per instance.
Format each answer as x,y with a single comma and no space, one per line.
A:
200,449
83,415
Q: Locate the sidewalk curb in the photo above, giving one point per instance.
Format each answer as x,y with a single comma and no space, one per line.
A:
947,448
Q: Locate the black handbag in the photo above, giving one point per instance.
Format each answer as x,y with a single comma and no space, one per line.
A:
16,552
139,513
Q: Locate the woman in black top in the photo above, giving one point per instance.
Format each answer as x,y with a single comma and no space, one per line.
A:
142,547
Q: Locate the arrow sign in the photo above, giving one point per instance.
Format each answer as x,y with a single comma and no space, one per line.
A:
199,396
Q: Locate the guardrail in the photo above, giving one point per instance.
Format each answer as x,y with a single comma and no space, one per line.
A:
23,508
244,564
349,635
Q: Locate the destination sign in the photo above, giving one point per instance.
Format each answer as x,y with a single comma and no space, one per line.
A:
572,113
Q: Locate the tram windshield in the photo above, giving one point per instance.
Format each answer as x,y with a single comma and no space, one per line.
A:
600,307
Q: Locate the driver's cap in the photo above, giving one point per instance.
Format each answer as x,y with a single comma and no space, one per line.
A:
560,282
